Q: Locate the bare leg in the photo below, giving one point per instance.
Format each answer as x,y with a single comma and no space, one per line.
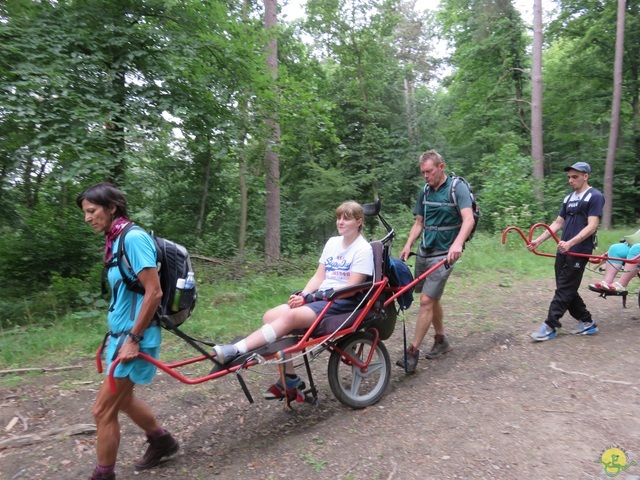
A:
287,320
430,312
140,413
105,413
628,275
610,272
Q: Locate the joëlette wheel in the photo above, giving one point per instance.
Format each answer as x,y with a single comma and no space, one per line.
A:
351,386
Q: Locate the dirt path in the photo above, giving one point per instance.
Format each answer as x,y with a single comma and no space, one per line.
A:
497,407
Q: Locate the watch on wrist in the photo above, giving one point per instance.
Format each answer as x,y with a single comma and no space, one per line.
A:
135,338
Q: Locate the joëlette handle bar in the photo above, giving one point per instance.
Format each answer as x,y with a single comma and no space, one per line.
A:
374,209
416,280
633,260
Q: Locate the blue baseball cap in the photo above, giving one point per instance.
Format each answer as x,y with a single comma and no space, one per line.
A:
580,167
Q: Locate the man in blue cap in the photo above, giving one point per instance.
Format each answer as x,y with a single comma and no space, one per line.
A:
578,217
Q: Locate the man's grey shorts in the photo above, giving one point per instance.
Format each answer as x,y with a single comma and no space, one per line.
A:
433,285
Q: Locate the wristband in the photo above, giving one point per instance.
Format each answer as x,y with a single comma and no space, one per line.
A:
135,338
308,298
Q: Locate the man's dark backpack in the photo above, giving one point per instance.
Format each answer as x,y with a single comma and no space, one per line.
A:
173,263
453,201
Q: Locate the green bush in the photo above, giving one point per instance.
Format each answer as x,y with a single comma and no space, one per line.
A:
508,194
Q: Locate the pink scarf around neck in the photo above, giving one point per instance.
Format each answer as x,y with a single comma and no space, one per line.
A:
115,230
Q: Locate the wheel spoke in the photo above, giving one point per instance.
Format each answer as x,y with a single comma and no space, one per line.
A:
356,379
373,367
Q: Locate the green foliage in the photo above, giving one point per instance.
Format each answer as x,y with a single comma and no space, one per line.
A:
168,99
49,239
508,193
485,92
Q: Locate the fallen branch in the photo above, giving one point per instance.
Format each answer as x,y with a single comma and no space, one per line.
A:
23,440
39,369
208,259
592,377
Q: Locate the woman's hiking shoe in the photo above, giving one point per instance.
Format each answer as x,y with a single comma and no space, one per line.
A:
160,447
412,355
225,353
585,328
97,475
440,346
543,333
295,390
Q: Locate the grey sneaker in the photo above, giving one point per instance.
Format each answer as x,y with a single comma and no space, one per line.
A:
543,333
440,346
413,355
160,447
585,328
225,353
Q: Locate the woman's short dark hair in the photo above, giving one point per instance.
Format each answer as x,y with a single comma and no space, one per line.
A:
107,196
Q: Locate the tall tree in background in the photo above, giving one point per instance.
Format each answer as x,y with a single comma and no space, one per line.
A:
615,116
272,160
413,37
537,151
485,91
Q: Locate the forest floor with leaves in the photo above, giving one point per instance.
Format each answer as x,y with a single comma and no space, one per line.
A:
498,406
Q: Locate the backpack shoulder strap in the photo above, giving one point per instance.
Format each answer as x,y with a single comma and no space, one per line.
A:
455,180
425,193
129,276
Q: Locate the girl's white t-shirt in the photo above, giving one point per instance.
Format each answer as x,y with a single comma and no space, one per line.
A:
339,262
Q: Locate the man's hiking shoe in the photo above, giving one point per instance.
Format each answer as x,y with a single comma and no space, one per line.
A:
440,346
160,447
543,333
225,353
295,390
413,355
585,328
96,475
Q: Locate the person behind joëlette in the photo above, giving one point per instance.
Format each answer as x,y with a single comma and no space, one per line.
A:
131,331
579,217
442,229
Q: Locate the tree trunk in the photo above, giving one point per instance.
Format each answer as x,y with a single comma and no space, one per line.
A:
242,160
615,117
537,152
205,188
410,110
242,173
633,59
114,129
272,160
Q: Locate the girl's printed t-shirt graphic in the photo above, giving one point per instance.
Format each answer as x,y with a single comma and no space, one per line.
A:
338,267
339,262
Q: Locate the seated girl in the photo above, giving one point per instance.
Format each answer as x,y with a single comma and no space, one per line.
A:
345,261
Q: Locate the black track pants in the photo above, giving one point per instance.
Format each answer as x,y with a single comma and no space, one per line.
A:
569,272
